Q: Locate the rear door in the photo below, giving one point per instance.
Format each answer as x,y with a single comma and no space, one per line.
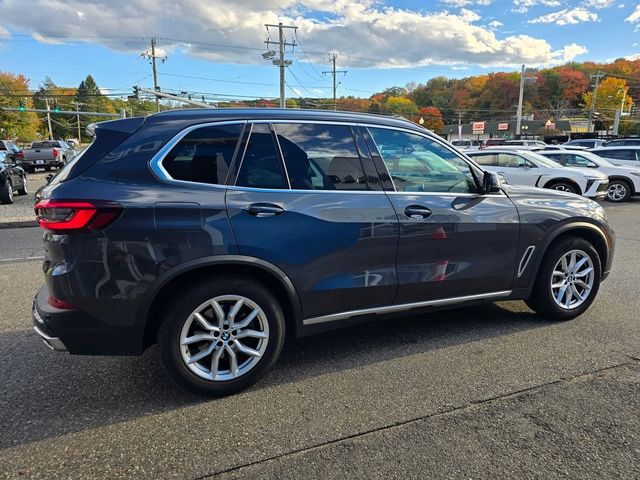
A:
454,242
309,201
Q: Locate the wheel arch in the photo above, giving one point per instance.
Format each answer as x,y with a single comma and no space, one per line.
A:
588,231
626,180
149,313
563,180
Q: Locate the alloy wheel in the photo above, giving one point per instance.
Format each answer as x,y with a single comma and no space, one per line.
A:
224,338
616,192
572,279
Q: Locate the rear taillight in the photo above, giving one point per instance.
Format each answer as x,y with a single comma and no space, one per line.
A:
20,155
55,153
57,303
73,216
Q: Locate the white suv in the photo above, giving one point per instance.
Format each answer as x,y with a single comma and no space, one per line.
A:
523,167
625,156
623,181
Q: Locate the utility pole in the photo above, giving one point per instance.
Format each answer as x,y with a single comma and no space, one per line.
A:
46,101
460,126
520,100
333,71
78,119
281,62
152,56
594,97
620,112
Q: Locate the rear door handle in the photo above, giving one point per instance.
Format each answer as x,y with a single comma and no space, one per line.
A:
264,210
417,212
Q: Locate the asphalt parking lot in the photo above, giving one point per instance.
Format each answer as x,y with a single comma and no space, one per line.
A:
490,391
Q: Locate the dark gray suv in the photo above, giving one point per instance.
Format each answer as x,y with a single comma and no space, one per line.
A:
215,233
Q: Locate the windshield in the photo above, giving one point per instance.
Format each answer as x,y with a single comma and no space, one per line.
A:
44,144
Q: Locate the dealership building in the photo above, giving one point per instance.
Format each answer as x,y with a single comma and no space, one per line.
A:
537,129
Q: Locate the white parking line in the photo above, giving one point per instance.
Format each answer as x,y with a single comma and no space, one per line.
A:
19,259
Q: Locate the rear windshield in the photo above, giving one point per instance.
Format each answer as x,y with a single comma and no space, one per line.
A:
44,145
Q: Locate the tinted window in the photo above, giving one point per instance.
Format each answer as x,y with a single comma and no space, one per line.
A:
490,159
44,144
573,160
203,155
321,157
418,164
261,165
618,154
511,160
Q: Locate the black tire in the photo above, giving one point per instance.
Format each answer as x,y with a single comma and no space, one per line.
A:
47,168
186,302
542,300
29,169
618,191
563,187
6,192
24,189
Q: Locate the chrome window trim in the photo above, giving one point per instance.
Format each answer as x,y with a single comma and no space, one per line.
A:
403,307
155,164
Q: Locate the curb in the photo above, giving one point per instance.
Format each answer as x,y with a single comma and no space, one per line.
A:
18,224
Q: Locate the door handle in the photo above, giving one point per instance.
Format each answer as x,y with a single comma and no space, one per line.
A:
261,210
417,212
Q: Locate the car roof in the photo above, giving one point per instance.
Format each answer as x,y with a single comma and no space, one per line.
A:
621,147
199,115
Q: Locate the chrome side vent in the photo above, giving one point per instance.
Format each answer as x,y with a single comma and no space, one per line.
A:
524,261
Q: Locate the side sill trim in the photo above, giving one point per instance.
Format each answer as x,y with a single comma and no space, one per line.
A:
403,307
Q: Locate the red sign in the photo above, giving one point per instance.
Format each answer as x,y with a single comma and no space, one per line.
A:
503,126
477,126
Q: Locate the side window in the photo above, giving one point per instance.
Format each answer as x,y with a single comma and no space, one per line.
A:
560,158
261,165
321,157
204,154
487,159
511,160
419,164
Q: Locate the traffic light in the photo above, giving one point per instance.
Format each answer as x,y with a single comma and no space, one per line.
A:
136,91
21,106
56,108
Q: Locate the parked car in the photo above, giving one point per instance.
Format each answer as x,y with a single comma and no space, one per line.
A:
12,179
586,142
527,143
524,167
13,151
215,233
463,144
623,142
625,156
624,182
492,142
564,147
73,142
47,154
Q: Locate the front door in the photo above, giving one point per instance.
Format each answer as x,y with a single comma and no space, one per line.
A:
454,241
307,200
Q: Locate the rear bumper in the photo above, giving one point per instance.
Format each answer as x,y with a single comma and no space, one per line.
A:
79,333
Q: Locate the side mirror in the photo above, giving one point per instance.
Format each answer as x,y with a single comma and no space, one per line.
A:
491,182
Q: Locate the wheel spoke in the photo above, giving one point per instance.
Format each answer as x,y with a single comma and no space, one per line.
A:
557,284
584,273
215,363
234,311
199,337
582,284
568,296
572,262
565,267
575,292
251,333
558,273
217,309
205,323
246,350
202,354
580,264
560,294
233,361
246,320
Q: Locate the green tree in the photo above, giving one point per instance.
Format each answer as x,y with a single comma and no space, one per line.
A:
20,126
63,126
399,106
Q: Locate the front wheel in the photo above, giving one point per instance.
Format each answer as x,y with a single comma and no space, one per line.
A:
618,191
6,192
563,187
24,189
568,279
222,335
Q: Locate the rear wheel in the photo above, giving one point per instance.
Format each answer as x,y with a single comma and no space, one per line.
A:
618,191
6,192
222,335
47,168
563,187
568,279
24,188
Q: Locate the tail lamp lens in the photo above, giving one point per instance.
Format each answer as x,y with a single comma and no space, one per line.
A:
71,215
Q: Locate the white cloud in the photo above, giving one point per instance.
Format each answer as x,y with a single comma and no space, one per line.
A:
465,3
522,6
495,24
367,32
598,3
635,16
567,17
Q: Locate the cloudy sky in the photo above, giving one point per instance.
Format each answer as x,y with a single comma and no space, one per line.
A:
215,46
